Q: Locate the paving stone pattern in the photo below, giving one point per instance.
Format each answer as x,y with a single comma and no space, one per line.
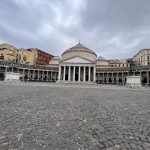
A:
73,118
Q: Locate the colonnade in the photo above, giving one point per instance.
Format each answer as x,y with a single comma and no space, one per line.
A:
77,73
120,77
111,77
38,75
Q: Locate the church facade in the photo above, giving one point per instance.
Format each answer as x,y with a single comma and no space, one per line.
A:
77,64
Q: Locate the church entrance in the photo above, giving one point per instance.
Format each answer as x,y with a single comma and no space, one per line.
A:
76,77
76,74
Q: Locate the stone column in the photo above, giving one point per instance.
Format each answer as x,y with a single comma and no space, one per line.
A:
33,76
23,74
59,73
102,77
47,76
89,74
107,77
64,73
51,76
147,77
94,74
79,75
122,78
84,74
112,77
5,73
117,78
28,74
42,75
69,73
38,75
74,73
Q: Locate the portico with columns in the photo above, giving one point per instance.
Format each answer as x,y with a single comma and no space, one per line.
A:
77,72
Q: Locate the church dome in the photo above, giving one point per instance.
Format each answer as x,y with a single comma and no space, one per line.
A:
100,58
79,51
79,47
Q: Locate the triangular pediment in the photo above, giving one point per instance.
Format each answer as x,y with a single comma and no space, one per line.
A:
77,59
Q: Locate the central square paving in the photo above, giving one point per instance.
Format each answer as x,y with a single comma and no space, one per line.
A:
73,117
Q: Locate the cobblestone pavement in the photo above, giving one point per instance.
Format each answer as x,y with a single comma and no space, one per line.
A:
68,117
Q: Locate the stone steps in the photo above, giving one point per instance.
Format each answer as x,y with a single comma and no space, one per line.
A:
76,82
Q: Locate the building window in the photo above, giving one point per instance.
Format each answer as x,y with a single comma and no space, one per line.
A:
2,57
147,57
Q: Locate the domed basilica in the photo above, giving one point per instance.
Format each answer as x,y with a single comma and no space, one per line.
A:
79,63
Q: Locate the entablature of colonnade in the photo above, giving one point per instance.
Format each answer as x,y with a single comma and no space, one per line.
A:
144,68
112,69
53,70
35,67
77,64
39,69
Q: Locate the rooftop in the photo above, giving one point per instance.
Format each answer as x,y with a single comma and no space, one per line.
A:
79,47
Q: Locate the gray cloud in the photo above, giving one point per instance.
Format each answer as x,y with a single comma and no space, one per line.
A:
122,26
112,28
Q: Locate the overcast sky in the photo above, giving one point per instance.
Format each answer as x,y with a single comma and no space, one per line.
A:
112,28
